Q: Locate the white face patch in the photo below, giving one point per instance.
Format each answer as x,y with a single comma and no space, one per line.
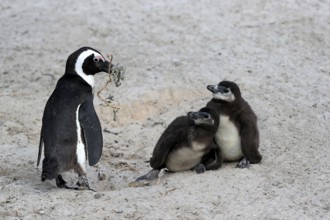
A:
80,150
78,66
228,97
201,121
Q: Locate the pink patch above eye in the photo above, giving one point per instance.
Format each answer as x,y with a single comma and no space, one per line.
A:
99,57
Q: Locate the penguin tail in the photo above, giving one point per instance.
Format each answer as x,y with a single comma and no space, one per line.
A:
40,150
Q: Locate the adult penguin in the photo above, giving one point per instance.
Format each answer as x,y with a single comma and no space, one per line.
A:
71,131
238,134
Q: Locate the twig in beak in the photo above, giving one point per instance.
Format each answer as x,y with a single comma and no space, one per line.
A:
117,73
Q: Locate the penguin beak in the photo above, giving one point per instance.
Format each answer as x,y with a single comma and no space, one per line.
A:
197,115
105,66
212,88
190,115
217,89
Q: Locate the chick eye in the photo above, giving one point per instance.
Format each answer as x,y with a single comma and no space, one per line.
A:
206,116
96,60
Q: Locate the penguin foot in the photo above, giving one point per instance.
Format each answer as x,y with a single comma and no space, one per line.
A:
153,174
83,184
199,168
213,160
244,163
61,183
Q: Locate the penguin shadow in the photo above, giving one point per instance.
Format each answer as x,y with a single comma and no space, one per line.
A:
42,186
166,175
163,178
70,177
25,175
109,175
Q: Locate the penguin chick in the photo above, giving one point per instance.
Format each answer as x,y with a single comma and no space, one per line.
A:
185,143
71,131
237,135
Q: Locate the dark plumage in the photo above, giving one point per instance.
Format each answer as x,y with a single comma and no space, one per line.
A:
237,135
71,131
185,144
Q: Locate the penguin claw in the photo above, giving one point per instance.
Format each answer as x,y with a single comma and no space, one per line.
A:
83,188
92,190
244,163
83,184
67,187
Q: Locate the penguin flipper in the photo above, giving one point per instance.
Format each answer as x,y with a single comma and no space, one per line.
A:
159,155
250,139
40,150
173,135
91,129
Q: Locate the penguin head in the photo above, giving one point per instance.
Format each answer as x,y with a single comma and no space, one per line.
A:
201,118
225,91
86,62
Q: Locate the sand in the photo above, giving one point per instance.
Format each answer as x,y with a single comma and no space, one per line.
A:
277,52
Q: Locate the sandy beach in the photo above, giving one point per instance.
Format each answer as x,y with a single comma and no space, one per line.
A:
278,52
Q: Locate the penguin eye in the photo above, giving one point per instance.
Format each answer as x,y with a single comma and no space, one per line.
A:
206,116
96,60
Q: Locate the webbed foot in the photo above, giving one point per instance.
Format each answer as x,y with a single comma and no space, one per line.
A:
82,183
153,174
244,163
199,168
61,183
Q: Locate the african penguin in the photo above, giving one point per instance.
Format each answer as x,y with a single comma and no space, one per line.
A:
185,143
71,131
237,135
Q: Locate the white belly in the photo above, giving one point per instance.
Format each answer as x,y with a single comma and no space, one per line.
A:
228,139
185,158
80,149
